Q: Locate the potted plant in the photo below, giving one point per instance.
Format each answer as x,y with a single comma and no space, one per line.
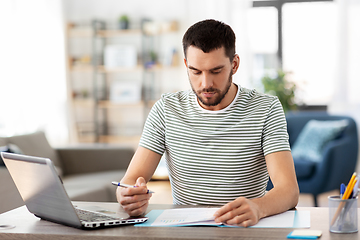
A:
282,88
124,22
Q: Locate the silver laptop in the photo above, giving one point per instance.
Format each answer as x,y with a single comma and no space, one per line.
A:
44,195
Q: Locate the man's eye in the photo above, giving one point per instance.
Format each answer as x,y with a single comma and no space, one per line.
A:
196,73
216,72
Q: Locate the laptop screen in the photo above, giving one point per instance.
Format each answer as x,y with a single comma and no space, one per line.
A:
41,188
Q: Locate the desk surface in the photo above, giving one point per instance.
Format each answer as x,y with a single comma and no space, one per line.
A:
27,226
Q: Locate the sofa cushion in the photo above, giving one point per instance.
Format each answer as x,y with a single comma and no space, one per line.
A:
304,169
94,158
94,187
314,136
36,144
3,141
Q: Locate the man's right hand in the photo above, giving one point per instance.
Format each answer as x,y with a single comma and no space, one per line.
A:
134,200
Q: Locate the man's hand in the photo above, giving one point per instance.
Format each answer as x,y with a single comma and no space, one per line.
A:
242,212
134,200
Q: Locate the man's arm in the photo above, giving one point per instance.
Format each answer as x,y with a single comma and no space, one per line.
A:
141,168
282,197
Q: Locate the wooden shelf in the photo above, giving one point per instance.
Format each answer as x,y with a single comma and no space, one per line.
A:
87,102
80,32
87,32
81,68
110,104
86,139
110,33
103,69
159,67
83,102
117,32
134,140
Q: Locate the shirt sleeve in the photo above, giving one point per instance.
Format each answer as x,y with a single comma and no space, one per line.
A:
275,137
153,135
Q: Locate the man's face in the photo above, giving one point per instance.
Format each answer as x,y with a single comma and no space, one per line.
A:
210,76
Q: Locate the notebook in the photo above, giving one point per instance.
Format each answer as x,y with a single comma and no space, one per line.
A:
44,194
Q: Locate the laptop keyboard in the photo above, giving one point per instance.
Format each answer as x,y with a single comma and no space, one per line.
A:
88,216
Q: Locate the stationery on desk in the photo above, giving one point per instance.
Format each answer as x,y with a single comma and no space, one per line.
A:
342,190
305,234
351,191
127,186
204,217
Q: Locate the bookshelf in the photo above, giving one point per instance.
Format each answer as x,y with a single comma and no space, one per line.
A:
109,101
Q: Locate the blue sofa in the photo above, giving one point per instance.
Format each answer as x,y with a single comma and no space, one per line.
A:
338,157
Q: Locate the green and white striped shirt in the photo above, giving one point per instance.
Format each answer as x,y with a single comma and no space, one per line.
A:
214,157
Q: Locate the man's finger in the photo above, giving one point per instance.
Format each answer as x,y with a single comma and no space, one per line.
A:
134,205
229,207
140,182
228,216
243,211
241,220
139,211
134,198
133,191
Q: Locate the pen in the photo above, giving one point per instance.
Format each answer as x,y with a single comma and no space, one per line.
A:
127,186
349,188
342,190
349,204
346,195
355,190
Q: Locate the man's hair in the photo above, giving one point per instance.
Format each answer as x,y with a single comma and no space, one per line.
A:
209,35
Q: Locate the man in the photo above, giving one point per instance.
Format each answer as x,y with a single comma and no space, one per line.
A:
221,141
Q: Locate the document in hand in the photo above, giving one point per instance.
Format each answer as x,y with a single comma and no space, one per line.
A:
204,217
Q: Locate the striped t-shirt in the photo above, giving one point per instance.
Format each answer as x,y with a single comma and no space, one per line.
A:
214,157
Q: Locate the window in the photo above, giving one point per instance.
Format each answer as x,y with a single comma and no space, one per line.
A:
263,35
306,45
310,49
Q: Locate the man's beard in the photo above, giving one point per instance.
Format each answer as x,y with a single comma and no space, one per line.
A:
220,94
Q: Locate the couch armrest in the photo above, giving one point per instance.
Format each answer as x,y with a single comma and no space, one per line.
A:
340,159
94,158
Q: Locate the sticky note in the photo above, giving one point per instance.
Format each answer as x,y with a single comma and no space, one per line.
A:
304,234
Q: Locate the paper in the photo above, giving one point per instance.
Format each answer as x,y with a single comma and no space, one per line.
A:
186,216
204,217
283,220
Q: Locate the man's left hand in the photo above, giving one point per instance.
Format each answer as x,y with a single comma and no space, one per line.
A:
242,212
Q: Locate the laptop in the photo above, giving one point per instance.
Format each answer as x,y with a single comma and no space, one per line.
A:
43,192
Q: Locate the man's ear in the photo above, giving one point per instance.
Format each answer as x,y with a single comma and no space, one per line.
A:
235,63
185,62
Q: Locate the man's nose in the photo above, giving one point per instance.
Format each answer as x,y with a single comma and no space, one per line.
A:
207,81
